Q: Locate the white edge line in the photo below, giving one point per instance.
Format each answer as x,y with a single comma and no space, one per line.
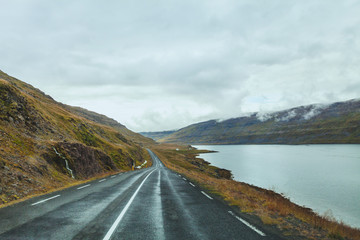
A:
83,187
113,176
102,180
191,184
117,221
248,224
184,179
45,200
206,195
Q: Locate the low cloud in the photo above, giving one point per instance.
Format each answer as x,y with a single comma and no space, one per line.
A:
164,65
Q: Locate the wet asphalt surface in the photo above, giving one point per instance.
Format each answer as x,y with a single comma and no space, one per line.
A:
152,203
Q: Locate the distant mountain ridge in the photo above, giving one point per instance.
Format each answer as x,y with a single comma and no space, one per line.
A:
157,135
317,123
45,144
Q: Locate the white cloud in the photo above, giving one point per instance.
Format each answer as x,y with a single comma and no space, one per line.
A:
315,110
166,64
289,115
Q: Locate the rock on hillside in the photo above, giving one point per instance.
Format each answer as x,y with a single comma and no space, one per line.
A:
45,144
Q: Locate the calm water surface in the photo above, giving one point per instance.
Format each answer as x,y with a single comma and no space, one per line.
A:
325,177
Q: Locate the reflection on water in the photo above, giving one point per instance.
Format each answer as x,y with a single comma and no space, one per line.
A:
323,177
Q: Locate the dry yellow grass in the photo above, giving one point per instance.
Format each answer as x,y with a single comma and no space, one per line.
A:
55,189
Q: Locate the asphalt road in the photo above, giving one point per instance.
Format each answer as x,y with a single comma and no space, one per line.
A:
152,203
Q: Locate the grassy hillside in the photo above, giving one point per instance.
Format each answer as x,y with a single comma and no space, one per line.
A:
104,120
39,135
335,123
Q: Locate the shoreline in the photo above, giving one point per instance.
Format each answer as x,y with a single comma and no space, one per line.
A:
247,144
330,209
272,208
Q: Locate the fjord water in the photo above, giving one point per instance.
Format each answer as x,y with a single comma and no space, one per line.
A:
323,177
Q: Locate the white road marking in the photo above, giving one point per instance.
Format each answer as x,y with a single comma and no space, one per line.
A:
184,179
113,176
206,195
102,180
117,221
83,187
158,215
191,184
248,224
45,200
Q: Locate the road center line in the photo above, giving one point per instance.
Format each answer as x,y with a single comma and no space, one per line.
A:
191,184
184,179
206,195
113,176
248,224
83,187
45,200
102,180
117,221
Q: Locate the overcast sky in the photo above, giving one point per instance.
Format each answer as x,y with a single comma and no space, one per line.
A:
164,64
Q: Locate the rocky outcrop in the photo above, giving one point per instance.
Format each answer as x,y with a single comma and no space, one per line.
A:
83,161
16,110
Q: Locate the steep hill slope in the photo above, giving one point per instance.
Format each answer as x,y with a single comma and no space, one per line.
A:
335,123
102,119
45,144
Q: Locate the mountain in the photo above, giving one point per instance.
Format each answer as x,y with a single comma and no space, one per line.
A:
334,123
157,135
45,144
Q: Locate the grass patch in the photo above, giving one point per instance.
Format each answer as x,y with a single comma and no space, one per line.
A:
55,189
